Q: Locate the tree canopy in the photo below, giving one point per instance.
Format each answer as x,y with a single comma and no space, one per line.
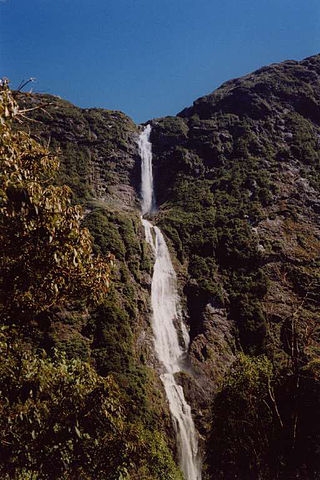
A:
46,254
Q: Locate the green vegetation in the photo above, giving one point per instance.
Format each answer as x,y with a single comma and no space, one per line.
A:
244,419
237,184
93,144
61,420
211,220
75,401
266,416
46,255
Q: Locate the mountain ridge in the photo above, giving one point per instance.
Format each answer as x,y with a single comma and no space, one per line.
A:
237,189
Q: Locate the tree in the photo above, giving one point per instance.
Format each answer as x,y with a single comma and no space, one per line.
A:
46,255
53,412
245,422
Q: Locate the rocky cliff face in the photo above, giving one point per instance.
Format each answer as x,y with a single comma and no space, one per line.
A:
237,187
238,174
97,147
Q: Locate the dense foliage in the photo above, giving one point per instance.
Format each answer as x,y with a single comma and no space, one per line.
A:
266,417
210,220
61,420
67,410
237,185
46,255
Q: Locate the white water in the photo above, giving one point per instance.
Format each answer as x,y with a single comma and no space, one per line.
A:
171,339
145,149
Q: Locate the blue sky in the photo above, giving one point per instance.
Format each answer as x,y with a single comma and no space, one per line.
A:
149,58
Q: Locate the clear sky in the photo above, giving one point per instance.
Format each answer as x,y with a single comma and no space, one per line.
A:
149,58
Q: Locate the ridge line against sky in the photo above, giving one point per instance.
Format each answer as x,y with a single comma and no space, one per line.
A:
149,58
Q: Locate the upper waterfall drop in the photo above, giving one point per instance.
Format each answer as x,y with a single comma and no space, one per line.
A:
171,339
147,191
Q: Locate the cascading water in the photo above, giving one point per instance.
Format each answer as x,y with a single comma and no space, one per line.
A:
171,339
146,171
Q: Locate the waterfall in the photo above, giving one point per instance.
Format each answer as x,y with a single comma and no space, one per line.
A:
145,149
171,339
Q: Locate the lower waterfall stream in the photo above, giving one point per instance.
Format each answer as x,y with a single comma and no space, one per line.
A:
171,339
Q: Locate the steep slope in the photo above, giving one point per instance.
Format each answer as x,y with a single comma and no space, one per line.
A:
238,184
100,162
237,188
97,147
